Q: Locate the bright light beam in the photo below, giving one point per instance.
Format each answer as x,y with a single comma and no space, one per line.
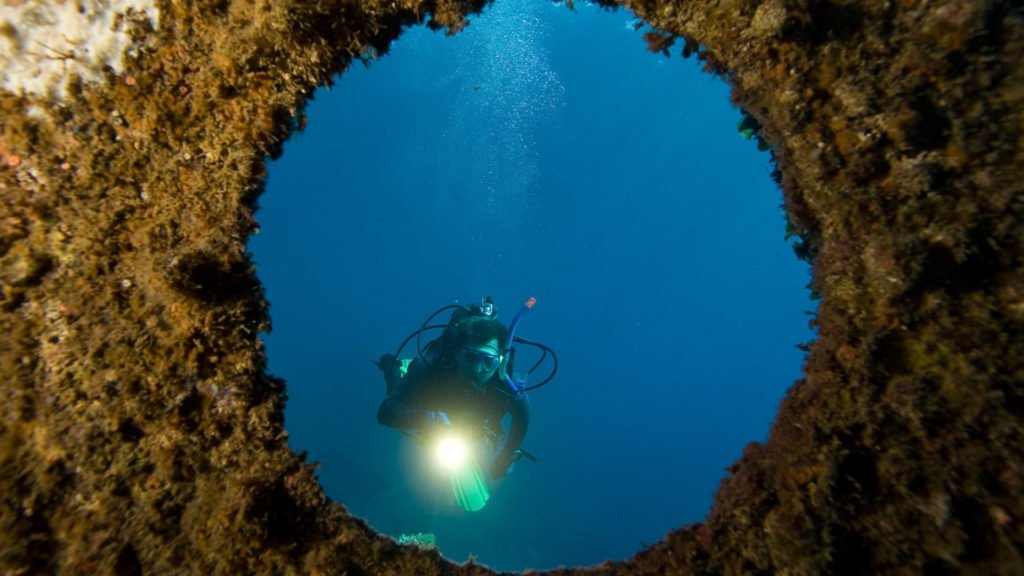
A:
451,452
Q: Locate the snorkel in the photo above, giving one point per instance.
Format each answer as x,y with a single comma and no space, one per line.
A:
511,337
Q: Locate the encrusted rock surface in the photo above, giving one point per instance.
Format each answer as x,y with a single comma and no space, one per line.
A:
140,433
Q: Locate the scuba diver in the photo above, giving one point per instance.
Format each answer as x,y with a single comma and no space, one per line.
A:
461,382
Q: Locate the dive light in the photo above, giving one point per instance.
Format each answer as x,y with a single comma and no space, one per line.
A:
451,452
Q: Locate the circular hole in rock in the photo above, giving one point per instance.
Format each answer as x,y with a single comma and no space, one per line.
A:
545,153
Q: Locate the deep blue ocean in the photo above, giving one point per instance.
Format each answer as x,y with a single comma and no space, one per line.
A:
540,152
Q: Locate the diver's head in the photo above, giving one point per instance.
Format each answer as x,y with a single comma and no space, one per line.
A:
479,343
479,363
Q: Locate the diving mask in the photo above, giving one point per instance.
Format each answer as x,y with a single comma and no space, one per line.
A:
480,360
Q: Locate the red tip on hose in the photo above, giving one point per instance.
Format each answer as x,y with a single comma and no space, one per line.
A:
531,302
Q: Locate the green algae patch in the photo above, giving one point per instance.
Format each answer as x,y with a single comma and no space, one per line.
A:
141,432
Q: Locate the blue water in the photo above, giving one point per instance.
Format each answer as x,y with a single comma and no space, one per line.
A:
540,153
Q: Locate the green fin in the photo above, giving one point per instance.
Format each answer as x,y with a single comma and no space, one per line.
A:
469,486
403,365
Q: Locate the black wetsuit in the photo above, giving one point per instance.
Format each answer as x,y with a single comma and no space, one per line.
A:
412,400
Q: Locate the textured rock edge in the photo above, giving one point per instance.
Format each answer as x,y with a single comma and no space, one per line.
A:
141,433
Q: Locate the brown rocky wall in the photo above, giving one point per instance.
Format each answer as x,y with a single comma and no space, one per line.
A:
139,432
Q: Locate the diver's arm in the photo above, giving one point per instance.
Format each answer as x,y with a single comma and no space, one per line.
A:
520,411
394,413
399,409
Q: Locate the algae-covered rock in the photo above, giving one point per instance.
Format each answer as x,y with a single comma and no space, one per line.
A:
141,434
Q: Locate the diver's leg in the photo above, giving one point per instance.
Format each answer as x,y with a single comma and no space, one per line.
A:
394,377
390,369
393,369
